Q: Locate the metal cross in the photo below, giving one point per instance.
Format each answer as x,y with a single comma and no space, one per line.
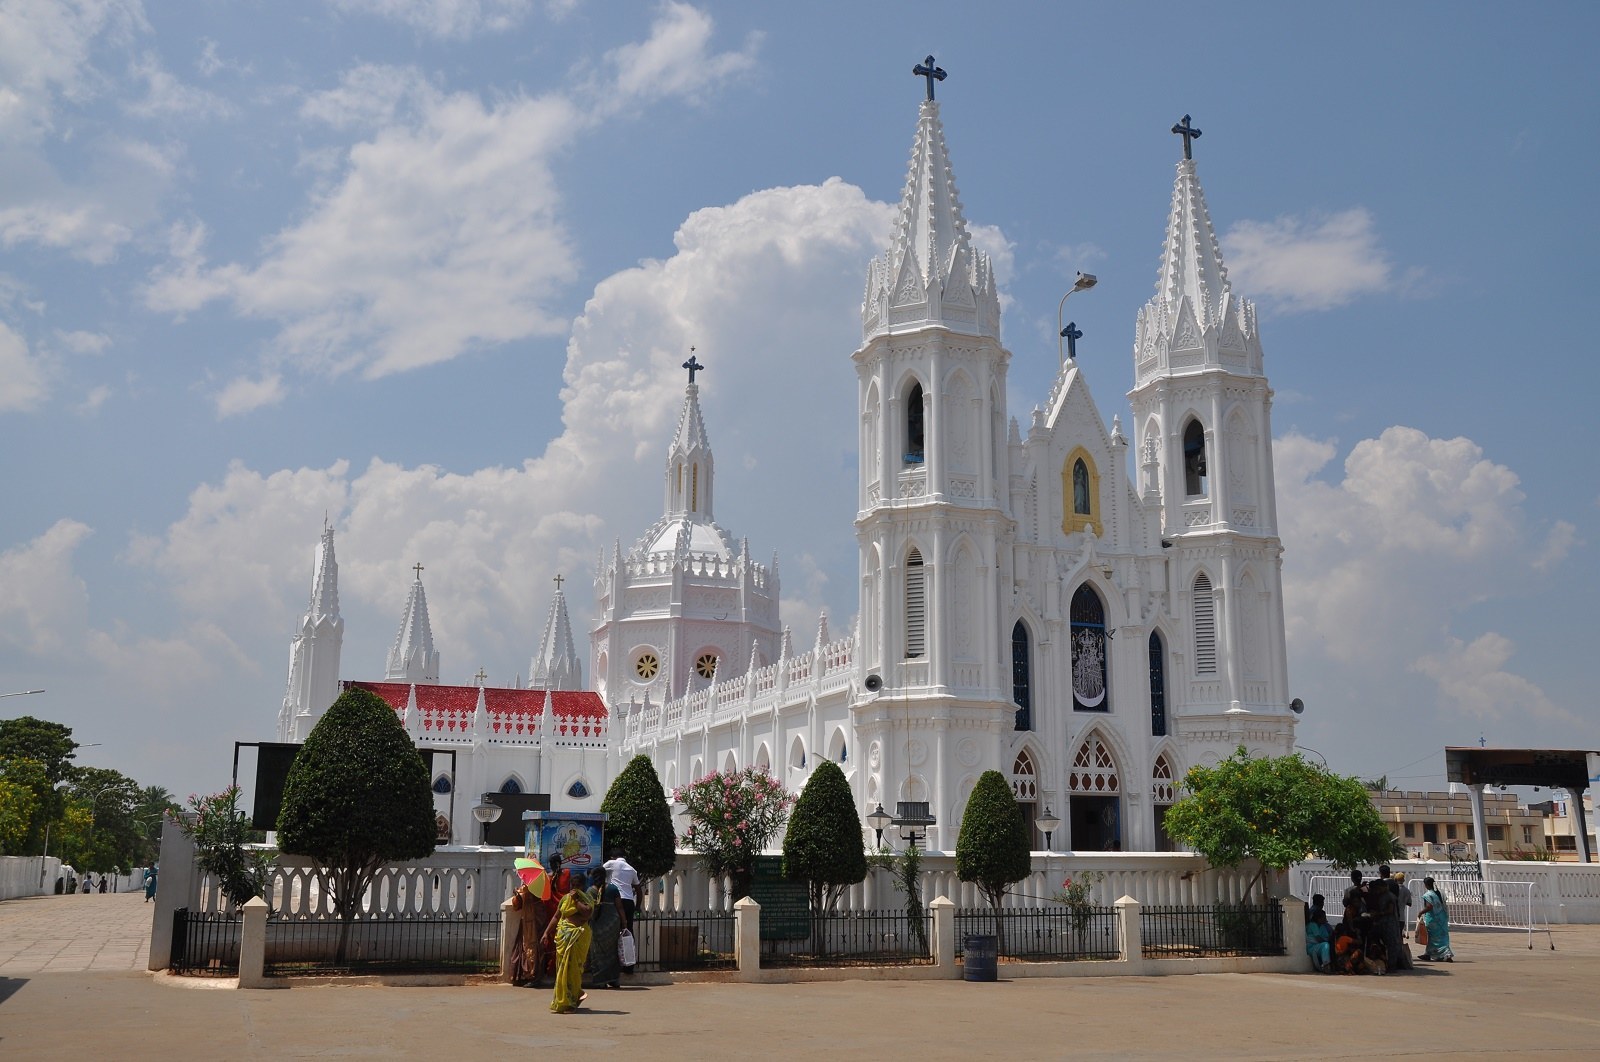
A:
693,365
417,567
559,580
482,676
932,73
1072,334
1189,134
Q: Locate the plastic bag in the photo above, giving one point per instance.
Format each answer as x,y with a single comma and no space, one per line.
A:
626,951
1421,935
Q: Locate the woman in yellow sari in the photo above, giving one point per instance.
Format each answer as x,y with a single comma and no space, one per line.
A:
569,932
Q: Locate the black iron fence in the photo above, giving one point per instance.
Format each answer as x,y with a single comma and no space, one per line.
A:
684,940
206,943
856,938
1212,929
1058,933
450,944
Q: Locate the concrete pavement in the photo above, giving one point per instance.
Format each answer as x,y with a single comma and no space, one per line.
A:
1498,999
70,934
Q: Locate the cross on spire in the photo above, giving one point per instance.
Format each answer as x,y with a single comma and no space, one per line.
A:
1072,333
1189,134
926,69
417,567
693,365
558,580
482,677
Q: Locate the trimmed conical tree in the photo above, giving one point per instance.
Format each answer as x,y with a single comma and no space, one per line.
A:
824,845
641,821
992,850
357,797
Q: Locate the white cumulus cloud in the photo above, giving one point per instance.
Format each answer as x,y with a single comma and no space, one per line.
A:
1308,263
45,606
23,379
445,18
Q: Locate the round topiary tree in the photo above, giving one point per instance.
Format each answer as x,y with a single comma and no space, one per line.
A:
824,845
992,850
357,797
641,821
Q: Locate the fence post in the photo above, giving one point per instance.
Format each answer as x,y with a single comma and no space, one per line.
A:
944,935
510,922
1130,933
253,945
747,938
1293,909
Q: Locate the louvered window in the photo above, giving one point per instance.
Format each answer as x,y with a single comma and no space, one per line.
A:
1158,686
1205,627
1022,676
916,606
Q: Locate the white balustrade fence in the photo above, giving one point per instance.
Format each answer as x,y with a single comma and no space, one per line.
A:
1559,893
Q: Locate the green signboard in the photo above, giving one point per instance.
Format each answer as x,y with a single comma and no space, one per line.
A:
785,907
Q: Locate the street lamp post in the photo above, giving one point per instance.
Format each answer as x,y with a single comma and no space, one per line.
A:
1084,282
879,820
485,813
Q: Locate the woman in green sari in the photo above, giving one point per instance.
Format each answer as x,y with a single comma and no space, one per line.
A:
1436,917
569,934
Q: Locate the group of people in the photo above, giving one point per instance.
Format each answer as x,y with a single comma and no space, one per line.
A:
1370,936
581,934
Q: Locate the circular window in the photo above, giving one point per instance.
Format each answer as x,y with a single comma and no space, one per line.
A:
706,665
646,666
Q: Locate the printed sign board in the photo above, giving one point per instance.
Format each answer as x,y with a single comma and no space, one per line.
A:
785,907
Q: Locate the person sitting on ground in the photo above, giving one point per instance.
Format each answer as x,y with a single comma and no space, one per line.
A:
1319,939
1346,949
1317,901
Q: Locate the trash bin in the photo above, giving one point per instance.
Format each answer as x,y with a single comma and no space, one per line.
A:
980,956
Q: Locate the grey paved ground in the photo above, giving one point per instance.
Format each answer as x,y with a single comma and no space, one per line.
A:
70,934
1498,1000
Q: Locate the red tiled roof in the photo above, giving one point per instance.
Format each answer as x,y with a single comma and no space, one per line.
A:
515,713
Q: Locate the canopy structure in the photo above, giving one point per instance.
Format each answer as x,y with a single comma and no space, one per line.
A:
1570,769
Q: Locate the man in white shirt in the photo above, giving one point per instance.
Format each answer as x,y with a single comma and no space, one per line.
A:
620,872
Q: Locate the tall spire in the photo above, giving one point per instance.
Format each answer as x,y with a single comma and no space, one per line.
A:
413,658
930,275
689,460
1194,320
556,666
314,653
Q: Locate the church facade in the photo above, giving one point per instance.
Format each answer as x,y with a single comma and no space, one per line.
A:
1088,609
1024,605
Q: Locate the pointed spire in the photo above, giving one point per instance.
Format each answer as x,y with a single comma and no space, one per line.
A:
822,628
556,666
1194,310
325,583
1191,260
689,460
413,658
931,275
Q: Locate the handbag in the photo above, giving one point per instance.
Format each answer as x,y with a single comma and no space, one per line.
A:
1421,935
627,952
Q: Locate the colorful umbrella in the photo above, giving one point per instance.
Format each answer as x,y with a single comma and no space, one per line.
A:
534,876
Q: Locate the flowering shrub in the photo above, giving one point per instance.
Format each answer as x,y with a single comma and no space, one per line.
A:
220,831
732,817
1075,893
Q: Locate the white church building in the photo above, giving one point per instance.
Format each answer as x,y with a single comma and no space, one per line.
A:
1025,605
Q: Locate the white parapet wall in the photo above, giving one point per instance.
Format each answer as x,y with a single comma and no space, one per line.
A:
1563,893
27,876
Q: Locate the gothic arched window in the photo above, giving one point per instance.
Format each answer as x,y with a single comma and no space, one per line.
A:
511,785
1194,460
914,446
441,784
916,605
1205,627
1158,686
1080,488
577,790
1089,684
1022,675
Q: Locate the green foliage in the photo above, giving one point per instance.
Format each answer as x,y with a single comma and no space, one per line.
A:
19,801
907,870
641,821
107,833
992,850
1277,811
220,831
48,743
732,817
357,797
823,845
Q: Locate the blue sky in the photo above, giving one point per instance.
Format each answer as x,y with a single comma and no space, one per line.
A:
429,266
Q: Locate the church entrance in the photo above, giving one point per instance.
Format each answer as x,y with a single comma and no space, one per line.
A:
1096,823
